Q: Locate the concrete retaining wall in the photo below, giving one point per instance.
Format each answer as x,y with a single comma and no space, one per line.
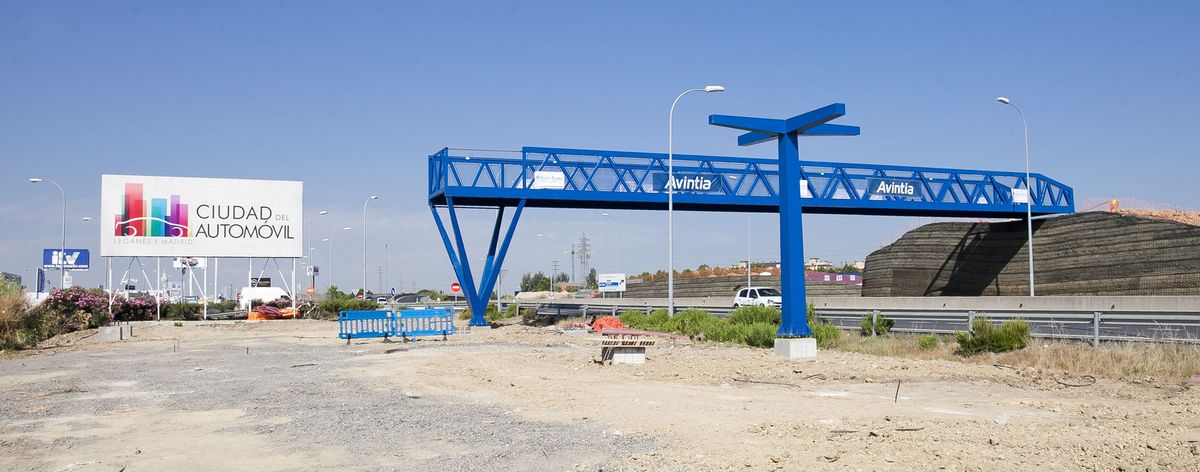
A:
1084,254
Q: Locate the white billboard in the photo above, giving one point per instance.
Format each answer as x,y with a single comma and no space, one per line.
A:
611,282
197,217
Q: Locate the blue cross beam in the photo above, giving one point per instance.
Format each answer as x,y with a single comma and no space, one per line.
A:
791,229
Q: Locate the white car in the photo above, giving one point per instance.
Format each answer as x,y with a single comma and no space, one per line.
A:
758,296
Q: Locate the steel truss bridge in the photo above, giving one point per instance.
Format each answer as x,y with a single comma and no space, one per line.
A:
598,179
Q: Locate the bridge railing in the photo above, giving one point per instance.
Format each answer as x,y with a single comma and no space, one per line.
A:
829,186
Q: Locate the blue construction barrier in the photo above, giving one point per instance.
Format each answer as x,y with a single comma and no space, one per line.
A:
366,324
428,322
386,323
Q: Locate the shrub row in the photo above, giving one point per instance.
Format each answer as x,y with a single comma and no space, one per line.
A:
329,309
753,326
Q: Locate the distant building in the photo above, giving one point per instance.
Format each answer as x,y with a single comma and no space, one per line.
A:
816,263
860,265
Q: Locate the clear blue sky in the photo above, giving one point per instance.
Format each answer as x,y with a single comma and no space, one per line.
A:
351,97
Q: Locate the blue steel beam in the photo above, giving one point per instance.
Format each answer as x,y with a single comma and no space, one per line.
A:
621,180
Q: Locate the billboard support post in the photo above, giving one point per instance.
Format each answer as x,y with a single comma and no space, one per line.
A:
158,289
294,294
111,293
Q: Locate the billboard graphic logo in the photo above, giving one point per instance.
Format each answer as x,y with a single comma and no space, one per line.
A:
156,217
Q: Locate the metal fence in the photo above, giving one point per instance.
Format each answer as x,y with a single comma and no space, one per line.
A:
1054,324
1089,326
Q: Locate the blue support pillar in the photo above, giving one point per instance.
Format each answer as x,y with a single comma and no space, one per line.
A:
791,224
477,296
791,241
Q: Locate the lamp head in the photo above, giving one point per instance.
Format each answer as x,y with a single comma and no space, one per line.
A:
714,88
87,218
1003,100
346,228
374,197
324,240
34,180
322,212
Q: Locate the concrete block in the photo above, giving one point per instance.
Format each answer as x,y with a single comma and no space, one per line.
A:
114,333
629,355
796,348
109,333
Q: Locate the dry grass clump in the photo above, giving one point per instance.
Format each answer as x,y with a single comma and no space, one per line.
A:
13,309
895,345
1122,360
571,322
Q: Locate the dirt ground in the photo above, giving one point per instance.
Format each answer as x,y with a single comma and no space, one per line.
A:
288,395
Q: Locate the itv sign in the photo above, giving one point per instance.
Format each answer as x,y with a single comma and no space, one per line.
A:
70,259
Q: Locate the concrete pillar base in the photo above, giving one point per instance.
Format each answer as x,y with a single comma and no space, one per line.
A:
627,355
796,348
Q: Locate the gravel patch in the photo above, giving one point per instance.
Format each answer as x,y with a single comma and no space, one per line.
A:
299,395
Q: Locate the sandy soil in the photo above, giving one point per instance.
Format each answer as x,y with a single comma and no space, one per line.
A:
520,398
1178,216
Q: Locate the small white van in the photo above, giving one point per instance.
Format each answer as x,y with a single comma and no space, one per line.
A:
262,294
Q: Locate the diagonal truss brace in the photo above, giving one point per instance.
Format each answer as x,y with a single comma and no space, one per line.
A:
477,295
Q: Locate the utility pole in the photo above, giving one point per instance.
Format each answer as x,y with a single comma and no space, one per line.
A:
553,273
585,254
381,287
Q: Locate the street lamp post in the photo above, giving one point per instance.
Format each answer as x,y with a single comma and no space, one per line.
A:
671,194
364,267
1028,191
310,259
748,245
330,239
617,261
62,250
551,266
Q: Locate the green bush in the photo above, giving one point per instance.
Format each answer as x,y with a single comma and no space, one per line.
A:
760,334
493,313
329,309
927,341
882,325
182,311
827,334
634,319
693,322
490,314
986,337
755,314
750,328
